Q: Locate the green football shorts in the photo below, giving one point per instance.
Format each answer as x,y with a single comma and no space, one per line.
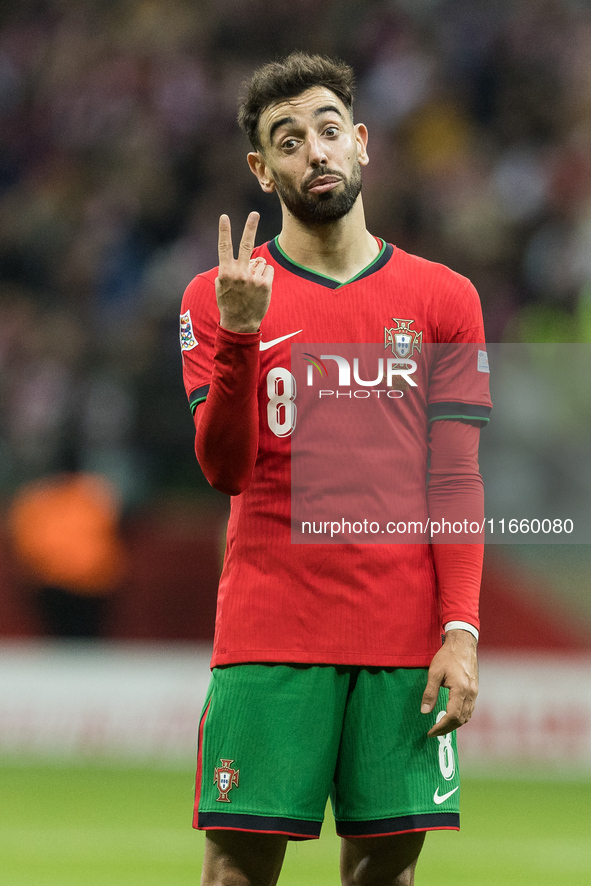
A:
275,741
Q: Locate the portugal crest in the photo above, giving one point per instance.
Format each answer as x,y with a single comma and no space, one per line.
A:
225,778
403,340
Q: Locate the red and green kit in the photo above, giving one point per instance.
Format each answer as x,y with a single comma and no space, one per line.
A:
366,604
321,649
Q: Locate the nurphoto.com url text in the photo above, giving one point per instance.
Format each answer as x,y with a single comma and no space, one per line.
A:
435,528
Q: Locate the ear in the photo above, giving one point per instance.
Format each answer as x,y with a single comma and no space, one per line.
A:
258,167
361,136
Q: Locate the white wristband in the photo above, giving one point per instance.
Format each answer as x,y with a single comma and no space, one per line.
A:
461,626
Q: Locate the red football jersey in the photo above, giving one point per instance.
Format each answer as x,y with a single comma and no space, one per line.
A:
336,603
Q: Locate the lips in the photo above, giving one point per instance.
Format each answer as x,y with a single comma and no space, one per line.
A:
324,183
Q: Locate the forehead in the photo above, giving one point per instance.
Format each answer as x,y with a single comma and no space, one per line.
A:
301,108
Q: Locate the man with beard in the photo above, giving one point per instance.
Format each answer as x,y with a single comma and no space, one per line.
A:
329,674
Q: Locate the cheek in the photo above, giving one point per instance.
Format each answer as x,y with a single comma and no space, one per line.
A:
354,152
288,178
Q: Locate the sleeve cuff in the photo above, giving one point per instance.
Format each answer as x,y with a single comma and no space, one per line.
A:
461,626
238,338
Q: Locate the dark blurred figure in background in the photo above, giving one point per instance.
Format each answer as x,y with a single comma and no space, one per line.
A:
64,530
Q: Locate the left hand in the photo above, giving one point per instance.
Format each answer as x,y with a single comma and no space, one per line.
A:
455,666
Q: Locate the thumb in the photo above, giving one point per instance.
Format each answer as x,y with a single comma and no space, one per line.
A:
431,693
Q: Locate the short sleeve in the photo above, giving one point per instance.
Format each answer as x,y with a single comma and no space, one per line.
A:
459,374
198,326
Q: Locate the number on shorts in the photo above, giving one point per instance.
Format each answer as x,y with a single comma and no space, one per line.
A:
447,760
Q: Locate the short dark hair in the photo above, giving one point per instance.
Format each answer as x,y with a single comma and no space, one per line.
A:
280,80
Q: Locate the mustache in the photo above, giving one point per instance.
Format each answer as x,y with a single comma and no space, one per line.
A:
320,173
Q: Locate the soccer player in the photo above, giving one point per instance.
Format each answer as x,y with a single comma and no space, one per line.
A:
329,675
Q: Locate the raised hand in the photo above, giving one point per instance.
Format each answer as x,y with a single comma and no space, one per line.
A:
243,286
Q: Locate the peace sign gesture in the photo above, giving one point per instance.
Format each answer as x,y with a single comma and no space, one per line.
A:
243,285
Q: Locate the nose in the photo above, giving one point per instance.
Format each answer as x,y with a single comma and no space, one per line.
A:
316,150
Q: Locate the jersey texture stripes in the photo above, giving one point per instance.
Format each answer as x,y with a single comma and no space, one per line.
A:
362,604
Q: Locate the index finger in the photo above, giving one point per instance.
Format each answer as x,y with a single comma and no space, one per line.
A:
458,711
225,249
248,236
447,724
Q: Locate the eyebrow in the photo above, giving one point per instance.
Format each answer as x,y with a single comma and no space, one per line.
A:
284,121
275,126
326,108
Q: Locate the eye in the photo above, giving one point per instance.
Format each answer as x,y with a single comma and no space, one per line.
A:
331,131
289,144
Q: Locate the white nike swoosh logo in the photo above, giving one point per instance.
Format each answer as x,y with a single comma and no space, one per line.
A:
441,799
264,345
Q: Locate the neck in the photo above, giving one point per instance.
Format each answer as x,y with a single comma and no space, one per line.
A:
339,250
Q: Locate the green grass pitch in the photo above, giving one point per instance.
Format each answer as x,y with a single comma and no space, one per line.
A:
99,825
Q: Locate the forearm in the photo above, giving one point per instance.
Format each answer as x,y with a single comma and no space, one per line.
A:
459,573
227,422
456,495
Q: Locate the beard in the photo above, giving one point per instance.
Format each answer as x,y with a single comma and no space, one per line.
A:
320,209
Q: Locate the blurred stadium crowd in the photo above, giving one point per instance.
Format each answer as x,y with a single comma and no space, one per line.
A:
119,149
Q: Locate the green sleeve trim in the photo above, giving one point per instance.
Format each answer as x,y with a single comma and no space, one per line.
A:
196,403
456,409
471,418
197,396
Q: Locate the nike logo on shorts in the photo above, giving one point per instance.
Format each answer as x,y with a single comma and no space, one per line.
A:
265,345
441,798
